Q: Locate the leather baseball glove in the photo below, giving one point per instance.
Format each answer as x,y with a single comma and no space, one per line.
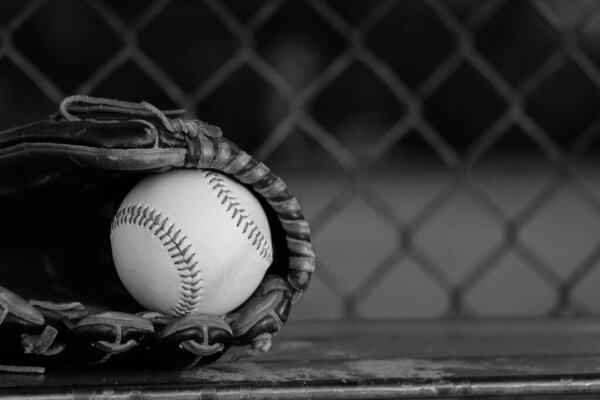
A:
61,181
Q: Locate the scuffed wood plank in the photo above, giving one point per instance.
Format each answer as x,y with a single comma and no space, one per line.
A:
436,339
307,372
363,360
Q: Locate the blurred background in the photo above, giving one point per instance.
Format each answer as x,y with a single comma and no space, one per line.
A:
445,152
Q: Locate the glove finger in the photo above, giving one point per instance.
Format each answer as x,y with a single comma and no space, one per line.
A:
264,313
195,338
61,313
111,333
16,312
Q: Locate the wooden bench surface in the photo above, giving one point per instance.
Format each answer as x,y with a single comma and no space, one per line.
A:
364,360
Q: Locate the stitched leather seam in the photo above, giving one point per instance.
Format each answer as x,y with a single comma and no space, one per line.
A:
242,219
176,245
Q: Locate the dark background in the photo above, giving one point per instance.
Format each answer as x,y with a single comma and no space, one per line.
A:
444,151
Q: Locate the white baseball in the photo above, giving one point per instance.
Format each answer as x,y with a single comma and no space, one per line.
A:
190,241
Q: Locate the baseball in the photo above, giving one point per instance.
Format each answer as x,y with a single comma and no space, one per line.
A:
190,241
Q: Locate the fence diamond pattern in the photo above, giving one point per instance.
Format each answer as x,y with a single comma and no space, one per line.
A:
141,49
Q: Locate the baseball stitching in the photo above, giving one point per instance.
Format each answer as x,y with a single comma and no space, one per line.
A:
178,247
241,217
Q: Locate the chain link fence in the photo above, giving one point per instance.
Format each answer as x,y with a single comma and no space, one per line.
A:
444,151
